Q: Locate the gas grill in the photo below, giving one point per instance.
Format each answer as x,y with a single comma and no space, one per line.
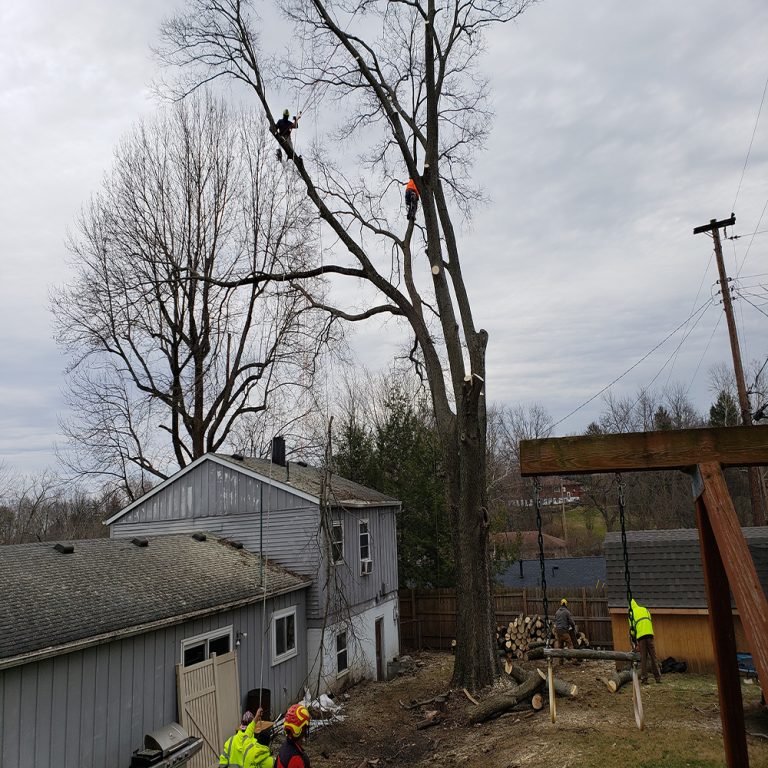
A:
168,747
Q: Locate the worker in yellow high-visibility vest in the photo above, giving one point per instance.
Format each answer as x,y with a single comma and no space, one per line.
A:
641,628
241,748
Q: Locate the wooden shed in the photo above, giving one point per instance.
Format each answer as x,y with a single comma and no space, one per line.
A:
103,641
667,578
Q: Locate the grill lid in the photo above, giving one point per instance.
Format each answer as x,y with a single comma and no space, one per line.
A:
166,739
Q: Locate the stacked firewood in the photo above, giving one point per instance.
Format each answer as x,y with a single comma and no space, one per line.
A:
521,634
527,633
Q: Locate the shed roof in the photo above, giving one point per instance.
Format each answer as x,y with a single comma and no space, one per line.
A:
308,479
109,588
560,572
665,566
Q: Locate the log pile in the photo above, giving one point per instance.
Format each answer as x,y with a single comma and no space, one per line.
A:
515,638
525,633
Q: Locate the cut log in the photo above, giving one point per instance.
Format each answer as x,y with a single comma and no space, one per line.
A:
590,655
562,688
618,680
537,701
503,702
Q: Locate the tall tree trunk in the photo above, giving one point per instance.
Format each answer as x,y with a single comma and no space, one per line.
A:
476,664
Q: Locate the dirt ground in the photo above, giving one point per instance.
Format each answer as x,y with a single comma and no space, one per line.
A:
595,730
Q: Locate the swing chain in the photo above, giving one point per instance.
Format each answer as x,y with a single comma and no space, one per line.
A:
625,551
542,565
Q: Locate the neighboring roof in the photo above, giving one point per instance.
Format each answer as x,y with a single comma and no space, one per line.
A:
112,587
304,481
529,543
345,493
665,566
560,572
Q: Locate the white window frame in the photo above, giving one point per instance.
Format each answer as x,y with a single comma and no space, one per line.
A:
206,638
360,535
291,652
342,672
337,524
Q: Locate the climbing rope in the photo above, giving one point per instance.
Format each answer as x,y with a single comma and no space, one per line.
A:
637,701
542,564
625,553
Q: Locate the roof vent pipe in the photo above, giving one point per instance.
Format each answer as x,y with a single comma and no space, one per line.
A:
278,450
65,549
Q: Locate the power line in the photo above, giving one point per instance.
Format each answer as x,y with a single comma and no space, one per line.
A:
704,353
667,361
746,159
632,367
752,239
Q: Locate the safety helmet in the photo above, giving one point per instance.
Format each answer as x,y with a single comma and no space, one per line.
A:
286,113
563,602
296,719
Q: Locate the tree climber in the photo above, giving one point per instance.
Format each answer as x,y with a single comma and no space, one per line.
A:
411,199
284,127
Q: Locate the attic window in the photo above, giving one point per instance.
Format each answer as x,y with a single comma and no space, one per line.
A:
65,549
140,541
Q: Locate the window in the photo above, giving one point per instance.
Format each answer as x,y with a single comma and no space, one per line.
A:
337,542
366,562
201,647
341,653
284,635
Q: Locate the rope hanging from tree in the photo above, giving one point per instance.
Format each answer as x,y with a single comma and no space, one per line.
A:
637,703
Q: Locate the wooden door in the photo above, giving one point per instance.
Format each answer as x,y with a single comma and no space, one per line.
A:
209,704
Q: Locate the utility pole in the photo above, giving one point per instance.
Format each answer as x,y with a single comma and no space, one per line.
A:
753,473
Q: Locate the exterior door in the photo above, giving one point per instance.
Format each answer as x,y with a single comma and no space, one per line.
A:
209,704
380,649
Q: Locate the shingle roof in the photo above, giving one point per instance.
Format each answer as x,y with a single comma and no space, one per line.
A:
113,586
309,479
561,573
665,566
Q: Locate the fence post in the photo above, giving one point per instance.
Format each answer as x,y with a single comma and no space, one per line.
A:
584,611
525,601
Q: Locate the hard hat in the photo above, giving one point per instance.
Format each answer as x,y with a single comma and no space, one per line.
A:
286,113
563,602
296,719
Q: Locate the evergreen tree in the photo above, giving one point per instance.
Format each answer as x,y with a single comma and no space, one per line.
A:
724,411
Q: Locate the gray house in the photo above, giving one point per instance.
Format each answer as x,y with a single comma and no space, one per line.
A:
103,641
347,546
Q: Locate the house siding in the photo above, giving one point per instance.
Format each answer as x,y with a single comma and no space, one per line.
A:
93,707
285,526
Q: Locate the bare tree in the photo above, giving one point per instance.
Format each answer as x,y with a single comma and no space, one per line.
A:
165,362
414,105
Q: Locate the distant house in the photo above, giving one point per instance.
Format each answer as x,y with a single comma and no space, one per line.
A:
667,577
347,547
528,542
98,637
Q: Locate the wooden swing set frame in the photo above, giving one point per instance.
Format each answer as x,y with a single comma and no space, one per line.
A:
725,556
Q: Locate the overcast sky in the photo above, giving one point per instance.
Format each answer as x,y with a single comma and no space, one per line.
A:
619,128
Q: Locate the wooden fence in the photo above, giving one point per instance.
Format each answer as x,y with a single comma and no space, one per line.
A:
428,616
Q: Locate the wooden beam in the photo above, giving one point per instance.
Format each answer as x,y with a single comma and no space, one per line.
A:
739,567
724,643
638,451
